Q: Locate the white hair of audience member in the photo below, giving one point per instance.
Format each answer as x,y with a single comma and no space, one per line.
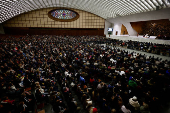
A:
125,110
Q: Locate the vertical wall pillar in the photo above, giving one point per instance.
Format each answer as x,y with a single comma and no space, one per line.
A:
117,28
107,25
130,30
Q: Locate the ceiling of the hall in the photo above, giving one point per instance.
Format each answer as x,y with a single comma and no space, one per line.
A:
103,8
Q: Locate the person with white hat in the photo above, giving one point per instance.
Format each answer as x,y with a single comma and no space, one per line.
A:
134,103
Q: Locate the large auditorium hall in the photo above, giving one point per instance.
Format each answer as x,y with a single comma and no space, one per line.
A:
84,56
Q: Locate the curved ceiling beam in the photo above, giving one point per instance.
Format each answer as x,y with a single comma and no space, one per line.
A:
103,8
142,5
159,3
116,9
150,3
153,1
165,3
146,5
135,5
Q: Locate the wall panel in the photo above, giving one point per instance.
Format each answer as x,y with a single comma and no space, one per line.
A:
53,31
124,30
39,18
143,25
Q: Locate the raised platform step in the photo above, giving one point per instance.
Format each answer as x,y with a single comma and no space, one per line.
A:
140,39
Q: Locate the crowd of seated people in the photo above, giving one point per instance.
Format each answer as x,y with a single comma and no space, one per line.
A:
161,30
114,80
149,47
163,37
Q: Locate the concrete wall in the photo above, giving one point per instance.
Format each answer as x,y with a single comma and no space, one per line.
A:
130,30
107,25
152,15
124,30
117,27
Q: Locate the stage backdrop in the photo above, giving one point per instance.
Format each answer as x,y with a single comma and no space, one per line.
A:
34,21
124,30
152,27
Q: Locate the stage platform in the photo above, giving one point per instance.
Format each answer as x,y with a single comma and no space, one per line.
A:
139,38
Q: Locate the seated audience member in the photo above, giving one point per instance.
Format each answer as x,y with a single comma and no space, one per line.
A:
59,107
22,108
91,81
41,63
7,100
73,106
93,110
38,95
125,109
144,108
113,111
134,104
132,84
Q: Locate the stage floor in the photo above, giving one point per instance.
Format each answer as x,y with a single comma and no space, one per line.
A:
140,39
